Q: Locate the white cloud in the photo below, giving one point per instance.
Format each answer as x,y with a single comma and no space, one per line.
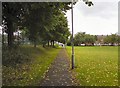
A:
102,18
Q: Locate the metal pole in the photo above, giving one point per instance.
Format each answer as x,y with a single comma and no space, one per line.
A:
72,37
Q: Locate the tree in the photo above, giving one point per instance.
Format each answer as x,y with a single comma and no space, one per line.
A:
38,18
44,20
89,39
113,38
83,38
12,15
79,38
118,39
107,39
61,31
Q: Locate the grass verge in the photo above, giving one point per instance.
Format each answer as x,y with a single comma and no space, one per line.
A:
96,66
26,65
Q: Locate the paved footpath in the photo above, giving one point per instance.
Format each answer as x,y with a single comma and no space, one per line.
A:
59,73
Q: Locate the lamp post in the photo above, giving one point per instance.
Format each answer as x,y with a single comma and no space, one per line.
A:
72,37
89,3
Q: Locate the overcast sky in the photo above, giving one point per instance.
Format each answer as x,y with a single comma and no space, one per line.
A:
100,19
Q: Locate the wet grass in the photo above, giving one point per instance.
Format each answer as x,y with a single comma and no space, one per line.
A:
96,66
30,68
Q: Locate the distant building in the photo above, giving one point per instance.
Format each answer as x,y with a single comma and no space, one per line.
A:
100,40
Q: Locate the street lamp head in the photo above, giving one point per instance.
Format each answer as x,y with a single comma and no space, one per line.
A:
88,2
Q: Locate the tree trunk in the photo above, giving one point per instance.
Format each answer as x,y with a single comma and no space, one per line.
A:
112,44
3,37
10,34
35,45
44,45
53,43
18,38
48,43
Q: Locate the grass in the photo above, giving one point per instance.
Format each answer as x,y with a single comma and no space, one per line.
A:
96,66
31,69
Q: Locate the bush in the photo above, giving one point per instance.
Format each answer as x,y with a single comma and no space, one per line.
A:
13,57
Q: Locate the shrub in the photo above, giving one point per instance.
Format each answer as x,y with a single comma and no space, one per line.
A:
13,57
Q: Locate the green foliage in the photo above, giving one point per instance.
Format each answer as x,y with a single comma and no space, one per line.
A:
45,20
89,39
96,66
82,38
39,18
69,43
113,38
32,69
79,38
61,31
12,14
13,57
118,39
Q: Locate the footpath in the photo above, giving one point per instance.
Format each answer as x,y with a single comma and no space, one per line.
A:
59,73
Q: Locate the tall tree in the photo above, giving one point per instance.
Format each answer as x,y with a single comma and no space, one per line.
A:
39,18
12,15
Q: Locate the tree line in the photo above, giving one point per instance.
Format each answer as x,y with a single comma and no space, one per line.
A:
37,21
41,22
81,38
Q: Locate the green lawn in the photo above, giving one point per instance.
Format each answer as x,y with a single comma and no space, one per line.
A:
35,62
96,66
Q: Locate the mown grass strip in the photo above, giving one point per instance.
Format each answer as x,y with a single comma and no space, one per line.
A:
96,66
